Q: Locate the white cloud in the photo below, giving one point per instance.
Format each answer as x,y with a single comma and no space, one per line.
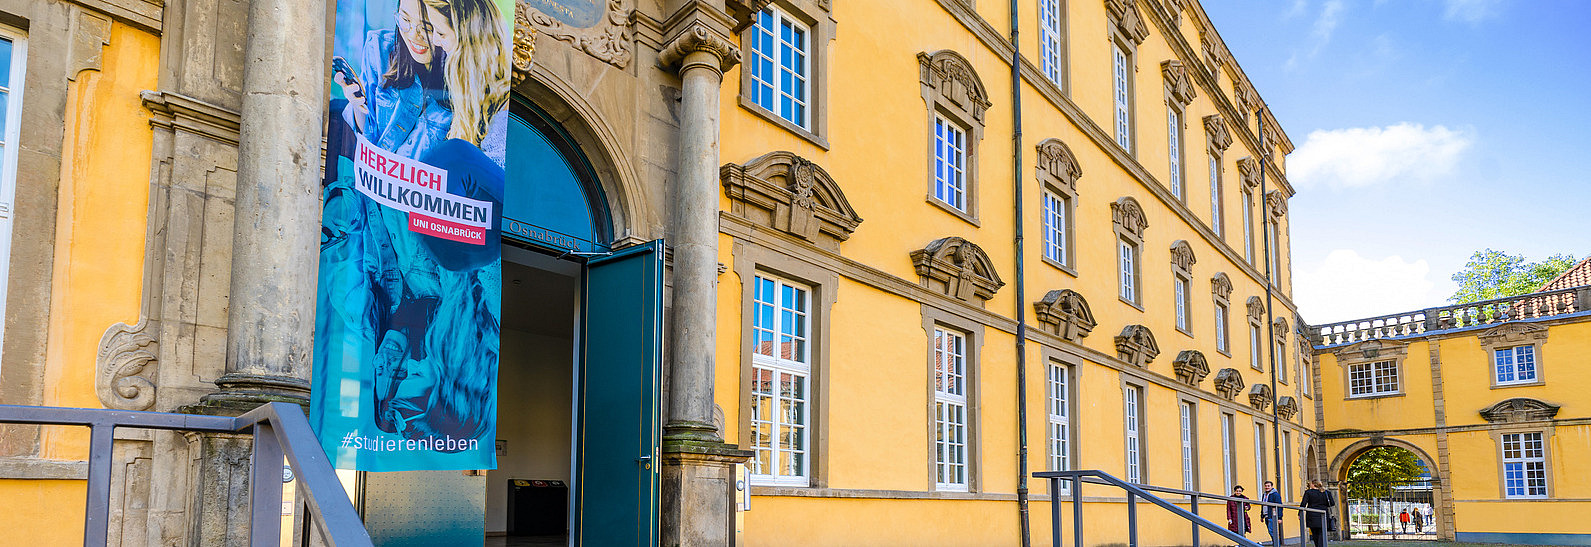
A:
1469,11
1320,35
1348,286
1367,156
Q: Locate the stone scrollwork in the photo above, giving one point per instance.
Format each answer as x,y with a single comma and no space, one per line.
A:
1277,203
1124,14
609,38
127,356
1178,86
949,77
1229,383
1065,313
698,37
1136,345
1191,367
524,42
1519,409
1182,255
1215,131
1129,217
1256,310
1057,163
791,194
957,267
1259,396
1286,407
1249,169
1221,285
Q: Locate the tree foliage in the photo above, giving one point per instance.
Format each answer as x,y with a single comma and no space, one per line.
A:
1385,464
1496,274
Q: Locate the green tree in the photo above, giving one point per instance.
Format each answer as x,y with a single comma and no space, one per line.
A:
1495,274
1373,473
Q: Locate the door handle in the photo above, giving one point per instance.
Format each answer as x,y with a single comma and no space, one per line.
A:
645,460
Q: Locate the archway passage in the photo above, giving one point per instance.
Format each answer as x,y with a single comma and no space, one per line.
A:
1388,492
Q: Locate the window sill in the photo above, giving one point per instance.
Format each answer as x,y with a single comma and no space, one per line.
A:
1059,266
963,215
1381,396
1130,303
1223,352
1519,384
787,125
770,482
1184,331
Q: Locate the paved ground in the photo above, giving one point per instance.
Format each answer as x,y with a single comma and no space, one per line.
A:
1395,543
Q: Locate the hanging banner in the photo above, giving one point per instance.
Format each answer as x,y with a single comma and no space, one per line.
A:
410,296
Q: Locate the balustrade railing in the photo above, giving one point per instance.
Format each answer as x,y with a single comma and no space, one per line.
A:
1486,312
1150,494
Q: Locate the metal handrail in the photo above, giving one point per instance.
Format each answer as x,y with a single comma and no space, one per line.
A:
280,430
1135,491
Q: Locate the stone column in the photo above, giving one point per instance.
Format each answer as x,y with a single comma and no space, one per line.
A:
697,464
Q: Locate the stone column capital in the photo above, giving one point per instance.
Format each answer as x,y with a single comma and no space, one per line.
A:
699,38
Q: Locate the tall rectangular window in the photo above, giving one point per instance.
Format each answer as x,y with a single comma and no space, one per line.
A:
1060,420
1221,337
1122,72
1279,360
1134,431
1215,195
1274,246
1378,378
950,410
1174,149
1516,365
1051,52
1055,227
13,65
1179,290
1189,447
1248,226
950,163
779,66
1259,453
1254,348
1524,465
781,366
1228,448
1129,271
1287,466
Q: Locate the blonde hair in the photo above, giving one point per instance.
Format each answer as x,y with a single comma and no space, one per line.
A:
477,72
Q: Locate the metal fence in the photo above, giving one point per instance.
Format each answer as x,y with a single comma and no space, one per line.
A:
1147,493
1375,509
280,430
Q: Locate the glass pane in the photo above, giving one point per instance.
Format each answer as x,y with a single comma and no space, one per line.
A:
542,186
5,62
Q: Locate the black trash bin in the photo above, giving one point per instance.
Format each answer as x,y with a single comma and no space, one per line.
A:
537,507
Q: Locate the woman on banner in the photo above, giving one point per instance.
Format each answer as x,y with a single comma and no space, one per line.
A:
406,112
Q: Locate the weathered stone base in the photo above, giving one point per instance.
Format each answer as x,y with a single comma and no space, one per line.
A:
222,500
698,492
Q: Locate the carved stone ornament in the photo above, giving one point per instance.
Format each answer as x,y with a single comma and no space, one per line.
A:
1248,100
790,194
1277,203
1256,309
1177,82
958,268
524,43
1182,255
1229,383
1214,52
1127,214
1370,350
1221,285
950,76
1286,407
602,31
1136,345
1513,334
1519,409
1124,14
1259,396
1279,327
744,12
1249,169
698,37
1057,163
1191,367
125,367
1215,131
1065,313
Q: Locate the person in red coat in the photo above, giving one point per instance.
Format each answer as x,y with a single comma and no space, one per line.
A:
1237,513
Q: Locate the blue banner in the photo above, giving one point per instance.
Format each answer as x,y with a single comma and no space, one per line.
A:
410,296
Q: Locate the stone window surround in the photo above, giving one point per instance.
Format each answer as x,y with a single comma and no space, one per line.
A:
1383,350
1546,453
815,14
1073,365
1279,332
1217,140
1182,261
1129,224
1193,434
1057,172
1509,336
974,332
1061,30
970,118
1220,294
750,259
1128,383
1179,94
1130,50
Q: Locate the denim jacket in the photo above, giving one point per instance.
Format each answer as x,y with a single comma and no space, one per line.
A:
407,121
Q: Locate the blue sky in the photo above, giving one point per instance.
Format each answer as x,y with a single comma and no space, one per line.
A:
1425,130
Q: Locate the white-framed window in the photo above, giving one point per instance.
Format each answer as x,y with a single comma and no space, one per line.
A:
1055,208
1129,270
1051,50
1279,360
1187,414
780,391
1515,365
780,66
1259,453
1287,466
1174,149
1228,447
1215,195
1375,378
950,163
1123,71
1060,420
1255,361
1222,340
950,410
1305,370
1179,290
13,68
1524,465
1274,245
1248,226
1134,431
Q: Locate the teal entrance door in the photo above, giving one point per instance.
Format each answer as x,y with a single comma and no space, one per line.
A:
616,459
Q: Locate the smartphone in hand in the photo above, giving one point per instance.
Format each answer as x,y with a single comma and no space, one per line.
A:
350,80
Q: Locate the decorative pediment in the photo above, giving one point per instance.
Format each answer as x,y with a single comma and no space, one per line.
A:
1124,14
1129,216
1279,328
1519,409
949,75
1182,255
1064,313
1215,132
1214,52
790,194
1515,333
1136,345
1177,83
1259,396
1247,99
1273,133
1286,407
1191,367
1229,383
1058,164
1256,309
1371,350
1221,285
1249,169
958,268
1277,203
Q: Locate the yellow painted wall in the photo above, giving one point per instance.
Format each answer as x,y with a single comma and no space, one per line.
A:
42,512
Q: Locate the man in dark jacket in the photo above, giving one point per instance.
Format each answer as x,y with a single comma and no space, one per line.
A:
1272,515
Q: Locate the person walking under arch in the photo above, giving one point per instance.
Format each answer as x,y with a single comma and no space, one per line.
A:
1316,497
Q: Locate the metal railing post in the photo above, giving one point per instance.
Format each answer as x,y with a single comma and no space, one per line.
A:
1055,511
1077,510
1193,506
1132,520
96,516
265,483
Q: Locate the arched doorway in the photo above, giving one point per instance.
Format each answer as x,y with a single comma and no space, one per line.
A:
1389,490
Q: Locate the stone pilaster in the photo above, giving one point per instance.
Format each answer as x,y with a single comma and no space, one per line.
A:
697,465
1444,470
